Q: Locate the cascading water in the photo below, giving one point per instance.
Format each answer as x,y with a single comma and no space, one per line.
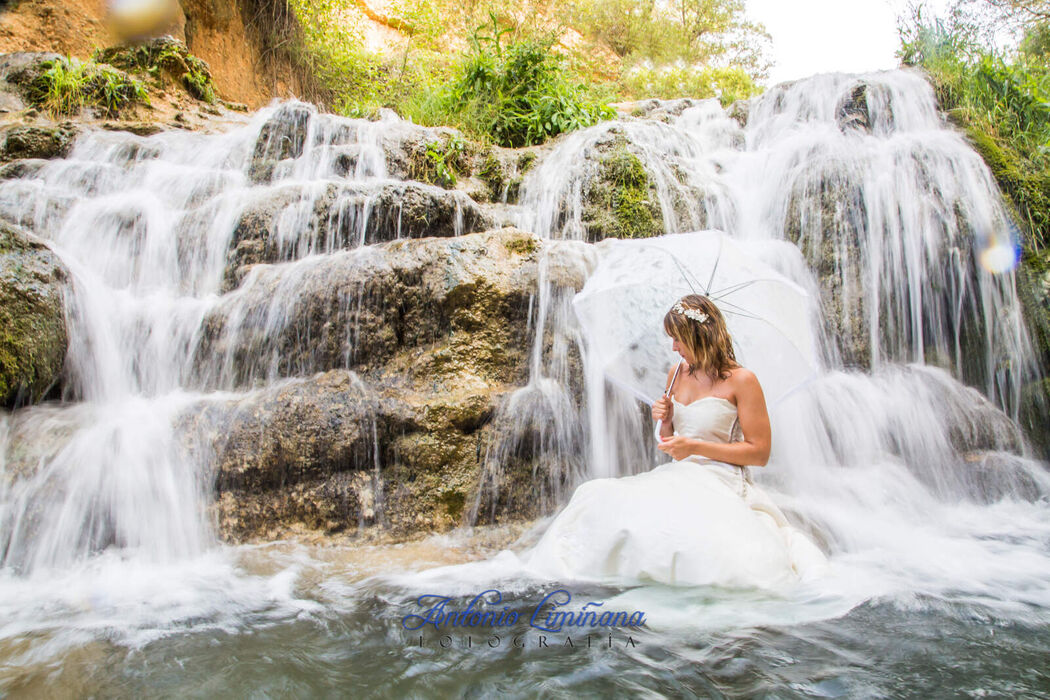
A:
145,227
892,210
901,458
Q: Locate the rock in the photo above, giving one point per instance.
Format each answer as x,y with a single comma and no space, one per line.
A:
1033,416
826,219
621,201
86,87
358,308
21,69
852,110
499,173
440,344
739,111
436,155
334,218
36,142
282,137
21,168
662,110
165,59
137,128
33,336
328,454
992,476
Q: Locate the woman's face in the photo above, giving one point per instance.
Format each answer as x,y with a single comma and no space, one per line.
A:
679,348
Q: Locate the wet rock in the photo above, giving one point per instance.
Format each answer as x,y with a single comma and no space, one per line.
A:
21,168
1034,416
133,127
852,110
33,336
441,341
621,201
286,223
165,59
662,110
300,452
739,111
282,137
36,142
827,220
357,308
435,155
991,476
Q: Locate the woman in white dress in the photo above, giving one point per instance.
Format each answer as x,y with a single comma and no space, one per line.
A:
699,519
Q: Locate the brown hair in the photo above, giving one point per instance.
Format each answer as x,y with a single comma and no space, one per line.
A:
708,343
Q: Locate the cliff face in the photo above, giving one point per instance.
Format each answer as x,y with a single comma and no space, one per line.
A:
214,30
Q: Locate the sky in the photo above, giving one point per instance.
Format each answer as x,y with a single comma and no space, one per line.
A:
821,36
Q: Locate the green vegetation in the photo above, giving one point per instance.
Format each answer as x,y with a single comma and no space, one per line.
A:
440,162
679,48
67,85
1001,99
517,95
620,202
529,70
163,57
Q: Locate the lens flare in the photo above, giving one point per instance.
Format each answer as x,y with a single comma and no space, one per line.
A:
141,19
1001,253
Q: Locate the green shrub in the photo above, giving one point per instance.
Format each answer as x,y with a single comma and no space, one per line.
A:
67,85
516,95
163,56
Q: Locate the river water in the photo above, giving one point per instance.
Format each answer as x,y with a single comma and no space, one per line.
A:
901,457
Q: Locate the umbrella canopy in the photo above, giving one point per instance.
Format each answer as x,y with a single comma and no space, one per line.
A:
622,305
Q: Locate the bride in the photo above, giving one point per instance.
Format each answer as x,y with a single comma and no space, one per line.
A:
699,519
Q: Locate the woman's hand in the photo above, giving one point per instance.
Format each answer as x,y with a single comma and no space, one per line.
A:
663,409
678,447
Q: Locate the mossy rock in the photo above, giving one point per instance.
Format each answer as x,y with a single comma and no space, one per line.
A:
36,142
33,337
164,59
621,200
63,87
440,161
1034,416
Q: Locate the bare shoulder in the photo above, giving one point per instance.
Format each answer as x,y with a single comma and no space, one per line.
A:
743,379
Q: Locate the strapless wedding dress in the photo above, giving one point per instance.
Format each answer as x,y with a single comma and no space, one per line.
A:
695,521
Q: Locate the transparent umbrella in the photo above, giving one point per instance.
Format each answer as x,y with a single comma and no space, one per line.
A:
622,305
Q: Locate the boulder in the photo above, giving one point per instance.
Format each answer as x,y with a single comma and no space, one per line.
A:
282,137
33,337
25,142
357,308
336,216
164,59
621,201
420,381
851,113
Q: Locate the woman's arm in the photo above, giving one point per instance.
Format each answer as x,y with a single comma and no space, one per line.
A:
754,423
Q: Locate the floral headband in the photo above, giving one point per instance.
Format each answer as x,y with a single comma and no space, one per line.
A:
695,314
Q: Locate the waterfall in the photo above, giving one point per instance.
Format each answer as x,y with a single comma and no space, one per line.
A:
194,256
890,208
145,225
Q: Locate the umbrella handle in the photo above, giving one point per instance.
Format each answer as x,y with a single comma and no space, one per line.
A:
667,391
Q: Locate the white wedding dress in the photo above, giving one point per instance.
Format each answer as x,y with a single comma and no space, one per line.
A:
690,522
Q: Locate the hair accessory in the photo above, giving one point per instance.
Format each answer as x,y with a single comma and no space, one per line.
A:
695,314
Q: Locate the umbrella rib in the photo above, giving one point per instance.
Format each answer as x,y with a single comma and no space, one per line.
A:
718,257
